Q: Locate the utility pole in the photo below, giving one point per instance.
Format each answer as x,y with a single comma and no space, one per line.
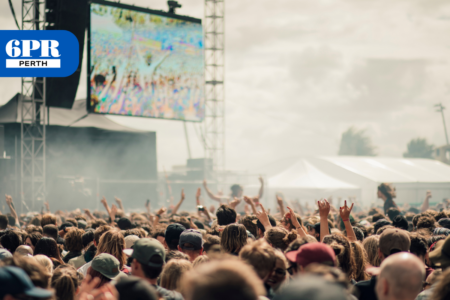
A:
440,108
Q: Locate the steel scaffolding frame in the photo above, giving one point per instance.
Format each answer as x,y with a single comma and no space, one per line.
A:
33,118
214,123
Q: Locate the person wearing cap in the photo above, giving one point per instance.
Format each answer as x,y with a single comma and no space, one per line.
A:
4,254
149,256
107,266
191,243
440,256
15,284
401,277
172,236
311,253
392,240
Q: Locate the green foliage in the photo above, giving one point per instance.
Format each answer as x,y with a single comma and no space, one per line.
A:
419,148
355,142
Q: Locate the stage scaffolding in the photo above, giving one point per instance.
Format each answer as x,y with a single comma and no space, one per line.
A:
214,123
32,118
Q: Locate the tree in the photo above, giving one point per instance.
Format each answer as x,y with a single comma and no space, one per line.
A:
419,148
354,142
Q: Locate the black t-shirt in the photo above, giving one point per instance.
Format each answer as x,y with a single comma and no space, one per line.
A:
388,204
168,295
365,290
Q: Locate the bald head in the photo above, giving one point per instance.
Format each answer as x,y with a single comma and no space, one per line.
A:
401,277
23,250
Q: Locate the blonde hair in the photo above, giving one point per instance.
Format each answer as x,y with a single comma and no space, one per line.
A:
224,279
370,244
44,261
112,242
361,261
234,237
279,237
172,272
200,260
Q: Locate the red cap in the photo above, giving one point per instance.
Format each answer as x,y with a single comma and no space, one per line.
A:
313,253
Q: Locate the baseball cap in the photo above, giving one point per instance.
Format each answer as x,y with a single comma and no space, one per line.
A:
4,254
130,240
193,237
313,253
440,256
132,287
82,224
444,222
173,232
15,281
107,265
311,287
394,239
441,231
124,223
144,249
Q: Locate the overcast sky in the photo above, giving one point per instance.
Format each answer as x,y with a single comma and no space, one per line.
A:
300,72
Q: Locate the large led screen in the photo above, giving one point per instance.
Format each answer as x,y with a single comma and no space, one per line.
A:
145,63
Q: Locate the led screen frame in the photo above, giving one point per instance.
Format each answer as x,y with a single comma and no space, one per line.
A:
201,107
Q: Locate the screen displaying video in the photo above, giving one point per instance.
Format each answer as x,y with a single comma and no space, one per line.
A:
145,64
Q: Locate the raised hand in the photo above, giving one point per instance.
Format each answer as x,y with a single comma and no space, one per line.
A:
161,211
261,179
205,184
235,202
248,200
8,199
345,211
324,208
263,217
113,211
104,202
279,200
291,215
182,195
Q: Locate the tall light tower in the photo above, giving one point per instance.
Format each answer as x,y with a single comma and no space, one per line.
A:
214,123
440,108
32,117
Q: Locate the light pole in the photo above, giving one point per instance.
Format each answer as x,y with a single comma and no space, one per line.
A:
440,108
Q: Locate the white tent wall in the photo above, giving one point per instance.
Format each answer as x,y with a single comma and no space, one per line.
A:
368,188
306,179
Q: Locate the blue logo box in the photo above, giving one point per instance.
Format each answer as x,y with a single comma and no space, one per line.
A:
38,53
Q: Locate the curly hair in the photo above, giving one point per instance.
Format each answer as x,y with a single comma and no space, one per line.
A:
427,222
279,237
361,261
344,253
73,240
48,219
37,273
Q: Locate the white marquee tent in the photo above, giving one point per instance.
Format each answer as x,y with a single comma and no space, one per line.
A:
352,176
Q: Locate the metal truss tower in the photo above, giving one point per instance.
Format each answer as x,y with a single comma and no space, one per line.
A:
214,123
33,117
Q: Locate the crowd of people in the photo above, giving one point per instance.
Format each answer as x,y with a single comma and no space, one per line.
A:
345,252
